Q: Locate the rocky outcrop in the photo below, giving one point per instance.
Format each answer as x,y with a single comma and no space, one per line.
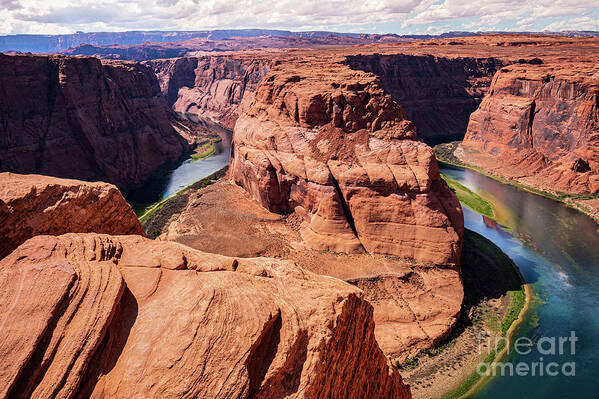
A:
214,87
33,205
85,119
329,144
415,306
438,94
539,126
414,309
126,317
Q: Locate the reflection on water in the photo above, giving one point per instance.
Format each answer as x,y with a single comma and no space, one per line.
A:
189,172
557,250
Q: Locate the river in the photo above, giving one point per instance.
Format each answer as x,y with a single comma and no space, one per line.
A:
557,250
187,172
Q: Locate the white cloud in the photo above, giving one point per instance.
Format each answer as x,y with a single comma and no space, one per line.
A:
582,23
64,16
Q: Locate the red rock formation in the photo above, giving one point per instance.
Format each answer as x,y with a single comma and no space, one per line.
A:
438,94
415,306
539,125
125,317
328,143
213,87
85,119
32,205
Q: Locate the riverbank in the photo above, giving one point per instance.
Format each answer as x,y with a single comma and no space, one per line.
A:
496,300
469,198
445,153
155,216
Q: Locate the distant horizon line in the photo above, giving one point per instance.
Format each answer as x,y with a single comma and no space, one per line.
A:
307,31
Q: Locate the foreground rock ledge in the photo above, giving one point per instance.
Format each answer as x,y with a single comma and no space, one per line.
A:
32,205
87,315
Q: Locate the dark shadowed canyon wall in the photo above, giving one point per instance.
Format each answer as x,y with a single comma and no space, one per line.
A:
84,118
438,94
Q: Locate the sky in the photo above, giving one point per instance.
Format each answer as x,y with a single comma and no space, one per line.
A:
368,16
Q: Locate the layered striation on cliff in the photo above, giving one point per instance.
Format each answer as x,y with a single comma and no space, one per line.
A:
123,316
438,94
84,118
328,144
214,87
539,126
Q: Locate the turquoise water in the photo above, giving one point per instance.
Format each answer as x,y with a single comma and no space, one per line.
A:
557,251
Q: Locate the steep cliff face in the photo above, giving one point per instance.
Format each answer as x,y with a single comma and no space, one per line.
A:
85,119
541,124
438,94
122,317
329,144
214,87
32,205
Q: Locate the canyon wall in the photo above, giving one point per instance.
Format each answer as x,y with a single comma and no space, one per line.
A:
327,143
32,205
539,126
438,94
84,118
214,87
125,317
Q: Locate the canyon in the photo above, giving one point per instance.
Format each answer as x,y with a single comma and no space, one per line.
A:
482,85
332,248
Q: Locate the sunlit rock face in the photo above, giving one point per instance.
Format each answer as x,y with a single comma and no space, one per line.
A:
539,124
122,316
33,205
328,143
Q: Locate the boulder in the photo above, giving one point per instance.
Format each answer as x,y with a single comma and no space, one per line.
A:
33,205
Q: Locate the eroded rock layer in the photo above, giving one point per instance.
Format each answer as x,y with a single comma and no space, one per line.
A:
214,87
328,143
125,317
539,125
32,205
83,118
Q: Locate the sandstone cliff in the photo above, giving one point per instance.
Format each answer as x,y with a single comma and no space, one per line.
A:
438,94
212,87
539,125
126,317
32,205
85,119
329,144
